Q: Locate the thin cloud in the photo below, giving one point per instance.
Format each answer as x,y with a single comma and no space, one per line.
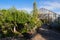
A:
53,4
27,9
50,5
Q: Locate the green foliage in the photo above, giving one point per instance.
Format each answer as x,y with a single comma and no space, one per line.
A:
13,21
10,18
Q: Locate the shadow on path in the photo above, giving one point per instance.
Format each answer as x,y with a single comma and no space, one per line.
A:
48,34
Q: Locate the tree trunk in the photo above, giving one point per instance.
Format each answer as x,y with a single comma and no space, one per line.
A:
14,28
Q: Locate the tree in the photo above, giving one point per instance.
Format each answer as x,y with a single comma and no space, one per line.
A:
13,19
35,20
35,10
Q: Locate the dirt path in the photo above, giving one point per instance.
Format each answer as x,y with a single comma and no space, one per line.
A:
45,34
38,37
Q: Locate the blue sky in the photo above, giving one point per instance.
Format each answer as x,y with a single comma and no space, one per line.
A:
53,5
